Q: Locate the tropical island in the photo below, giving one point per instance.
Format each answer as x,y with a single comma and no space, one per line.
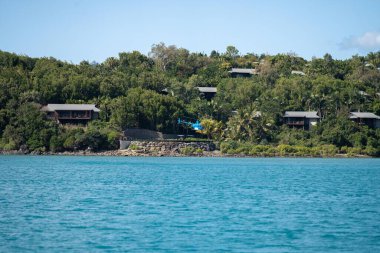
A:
257,105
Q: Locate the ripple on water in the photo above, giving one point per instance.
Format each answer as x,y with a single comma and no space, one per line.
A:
85,204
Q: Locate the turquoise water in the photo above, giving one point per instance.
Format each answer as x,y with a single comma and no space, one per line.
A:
113,204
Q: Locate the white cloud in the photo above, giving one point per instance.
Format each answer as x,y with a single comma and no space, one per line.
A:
369,41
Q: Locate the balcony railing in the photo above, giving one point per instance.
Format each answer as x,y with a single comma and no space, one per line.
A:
74,117
295,123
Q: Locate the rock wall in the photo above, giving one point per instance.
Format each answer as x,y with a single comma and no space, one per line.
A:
171,148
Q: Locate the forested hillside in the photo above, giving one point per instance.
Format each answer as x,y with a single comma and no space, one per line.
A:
128,91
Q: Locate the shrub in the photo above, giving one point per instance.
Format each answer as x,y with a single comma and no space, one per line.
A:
35,142
134,147
243,148
271,151
112,139
354,151
284,149
55,144
371,151
199,151
227,146
344,150
256,150
187,150
302,151
11,145
328,150
69,142
95,140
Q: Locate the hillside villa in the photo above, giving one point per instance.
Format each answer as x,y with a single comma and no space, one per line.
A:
208,92
301,119
238,72
71,113
366,118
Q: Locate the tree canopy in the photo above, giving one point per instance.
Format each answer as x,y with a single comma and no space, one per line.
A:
129,90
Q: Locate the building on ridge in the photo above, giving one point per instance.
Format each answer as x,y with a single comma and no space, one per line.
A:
296,72
239,72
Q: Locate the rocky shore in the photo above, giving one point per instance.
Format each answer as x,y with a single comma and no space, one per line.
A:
139,153
126,152
164,149
140,148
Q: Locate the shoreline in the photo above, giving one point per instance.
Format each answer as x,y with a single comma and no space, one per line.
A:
134,153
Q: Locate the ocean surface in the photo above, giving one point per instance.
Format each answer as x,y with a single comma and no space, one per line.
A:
123,204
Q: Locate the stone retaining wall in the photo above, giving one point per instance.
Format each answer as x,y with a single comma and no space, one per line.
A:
169,147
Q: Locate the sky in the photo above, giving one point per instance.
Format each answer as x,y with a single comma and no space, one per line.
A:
93,30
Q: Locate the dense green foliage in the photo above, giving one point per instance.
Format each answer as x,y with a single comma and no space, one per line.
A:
128,90
326,150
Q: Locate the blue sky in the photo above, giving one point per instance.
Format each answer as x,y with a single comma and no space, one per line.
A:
92,30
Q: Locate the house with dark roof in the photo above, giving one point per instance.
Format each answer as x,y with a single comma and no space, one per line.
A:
301,119
365,118
71,113
238,72
208,92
